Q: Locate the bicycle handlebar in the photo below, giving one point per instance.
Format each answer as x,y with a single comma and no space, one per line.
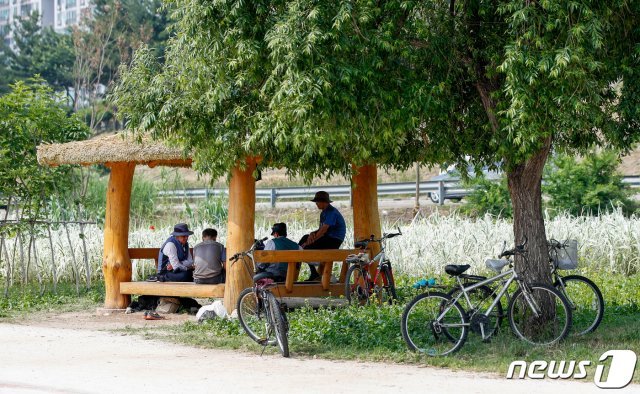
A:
363,243
252,248
556,244
517,250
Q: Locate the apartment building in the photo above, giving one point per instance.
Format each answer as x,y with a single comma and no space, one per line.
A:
69,13
59,14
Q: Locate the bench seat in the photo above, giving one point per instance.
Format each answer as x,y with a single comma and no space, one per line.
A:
291,288
172,289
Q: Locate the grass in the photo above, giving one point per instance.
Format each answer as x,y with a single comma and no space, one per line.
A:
372,333
28,299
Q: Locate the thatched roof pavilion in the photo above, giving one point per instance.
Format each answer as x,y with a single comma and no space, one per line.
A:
121,153
113,148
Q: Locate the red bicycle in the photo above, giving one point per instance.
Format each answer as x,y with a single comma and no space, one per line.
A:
359,285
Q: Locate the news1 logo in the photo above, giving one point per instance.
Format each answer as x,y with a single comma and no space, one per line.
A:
620,371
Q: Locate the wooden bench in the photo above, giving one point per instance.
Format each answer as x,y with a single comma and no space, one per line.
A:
169,289
325,257
291,288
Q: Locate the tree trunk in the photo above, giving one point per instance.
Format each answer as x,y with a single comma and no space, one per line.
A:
525,187
116,264
242,206
366,215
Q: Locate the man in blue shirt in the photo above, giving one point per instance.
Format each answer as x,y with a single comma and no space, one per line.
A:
329,235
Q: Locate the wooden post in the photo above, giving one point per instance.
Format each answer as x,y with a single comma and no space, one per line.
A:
116,264
242,205
416,207
366,216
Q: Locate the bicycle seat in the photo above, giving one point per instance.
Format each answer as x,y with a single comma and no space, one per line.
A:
455,270
496,265
262,275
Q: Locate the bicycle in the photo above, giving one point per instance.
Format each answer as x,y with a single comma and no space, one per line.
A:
359,286
584,296
436,324
259,312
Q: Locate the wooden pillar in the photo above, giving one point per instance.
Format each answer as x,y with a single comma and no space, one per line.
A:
116,264
366,216
242,206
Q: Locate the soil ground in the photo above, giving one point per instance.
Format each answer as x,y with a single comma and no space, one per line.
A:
78,352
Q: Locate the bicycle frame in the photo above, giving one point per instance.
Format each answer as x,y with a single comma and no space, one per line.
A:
513,276
381,259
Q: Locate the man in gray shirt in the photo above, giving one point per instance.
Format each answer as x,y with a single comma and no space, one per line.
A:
208,258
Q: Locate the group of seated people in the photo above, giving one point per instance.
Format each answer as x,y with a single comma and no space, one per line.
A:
207,265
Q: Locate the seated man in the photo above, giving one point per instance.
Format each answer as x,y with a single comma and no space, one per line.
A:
329,235
209,257
279,242
175,263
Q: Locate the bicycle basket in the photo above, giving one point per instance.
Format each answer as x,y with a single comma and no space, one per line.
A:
566,258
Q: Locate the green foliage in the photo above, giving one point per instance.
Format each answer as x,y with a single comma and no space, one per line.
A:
587,186
488,197
143,199
31,114
358,327
29,299
221,89
213,210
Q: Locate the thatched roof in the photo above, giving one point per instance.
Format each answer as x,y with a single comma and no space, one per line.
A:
117,148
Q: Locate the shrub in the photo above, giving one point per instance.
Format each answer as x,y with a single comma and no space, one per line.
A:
586,186
143,199
213,210
488,197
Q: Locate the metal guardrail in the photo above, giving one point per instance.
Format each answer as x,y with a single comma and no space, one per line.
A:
448,189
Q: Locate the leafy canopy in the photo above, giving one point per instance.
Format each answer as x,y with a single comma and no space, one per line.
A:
228,90
314,86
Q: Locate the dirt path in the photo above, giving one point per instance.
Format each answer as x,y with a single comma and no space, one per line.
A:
47,356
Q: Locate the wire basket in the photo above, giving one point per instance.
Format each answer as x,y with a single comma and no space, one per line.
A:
566,258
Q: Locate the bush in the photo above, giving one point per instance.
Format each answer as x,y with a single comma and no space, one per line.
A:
586,186
488,197
213,210
143,199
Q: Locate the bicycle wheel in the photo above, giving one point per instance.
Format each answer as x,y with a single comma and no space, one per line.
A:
279,324
386,291
252,316
540,316
585,300
434,325
481,298
356,286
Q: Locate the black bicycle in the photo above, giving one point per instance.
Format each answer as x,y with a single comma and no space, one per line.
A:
260,313
584,296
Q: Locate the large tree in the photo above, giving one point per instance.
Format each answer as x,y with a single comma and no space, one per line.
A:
499,83
315,86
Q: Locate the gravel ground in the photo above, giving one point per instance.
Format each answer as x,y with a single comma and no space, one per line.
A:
75,353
